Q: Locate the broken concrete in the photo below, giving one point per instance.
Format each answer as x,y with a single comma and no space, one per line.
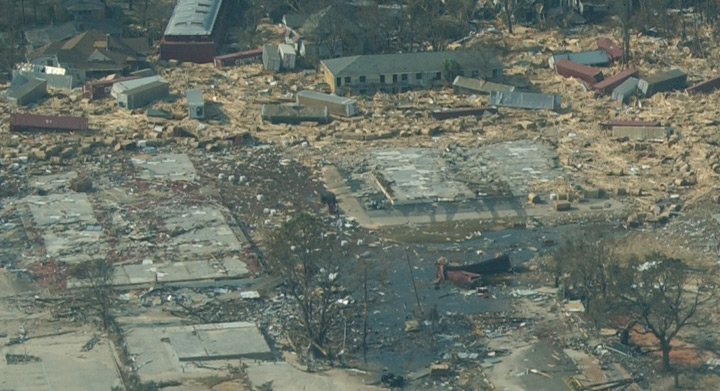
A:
172,167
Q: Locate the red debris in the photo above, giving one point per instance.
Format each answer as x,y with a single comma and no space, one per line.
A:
613,51
585,73
608,85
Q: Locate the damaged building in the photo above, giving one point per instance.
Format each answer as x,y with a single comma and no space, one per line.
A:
93,54
399,72
194,32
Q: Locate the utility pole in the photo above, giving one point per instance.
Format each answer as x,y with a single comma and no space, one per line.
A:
412,276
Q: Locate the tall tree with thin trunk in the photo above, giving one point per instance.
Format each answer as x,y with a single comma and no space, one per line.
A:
625,18
508,15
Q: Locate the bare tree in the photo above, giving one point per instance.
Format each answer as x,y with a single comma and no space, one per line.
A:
585,266
306,256
666,296
97,276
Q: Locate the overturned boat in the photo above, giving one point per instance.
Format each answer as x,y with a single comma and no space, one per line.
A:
470,275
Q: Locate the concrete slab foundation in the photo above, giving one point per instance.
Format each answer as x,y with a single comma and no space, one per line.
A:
168,166
171,350
68,225
61,365
285,377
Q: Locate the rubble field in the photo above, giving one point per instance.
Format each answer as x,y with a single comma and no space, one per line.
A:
183,207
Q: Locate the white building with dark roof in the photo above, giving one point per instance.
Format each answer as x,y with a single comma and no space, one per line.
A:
403,71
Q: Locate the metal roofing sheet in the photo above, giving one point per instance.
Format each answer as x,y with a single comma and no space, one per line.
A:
194,97
593,58
193,17
525,100
480,85
326,97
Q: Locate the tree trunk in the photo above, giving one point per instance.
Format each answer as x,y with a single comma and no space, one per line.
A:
35,11
365,314
665,347
130,4
509,16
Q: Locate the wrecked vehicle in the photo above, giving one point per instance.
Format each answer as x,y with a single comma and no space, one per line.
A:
471,275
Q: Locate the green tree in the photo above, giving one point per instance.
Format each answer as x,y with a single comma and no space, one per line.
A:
451,69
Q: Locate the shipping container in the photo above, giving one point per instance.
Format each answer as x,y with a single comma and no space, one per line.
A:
287,55
233,59
27,93
625,90
647,133
466,85
608,85
634,123
673,79
196,104
585,73
136,93
461,112
194,31
525,100
336,105
22,122
99,89
594,58
271,58
188,51
614,52
705,86
286,114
